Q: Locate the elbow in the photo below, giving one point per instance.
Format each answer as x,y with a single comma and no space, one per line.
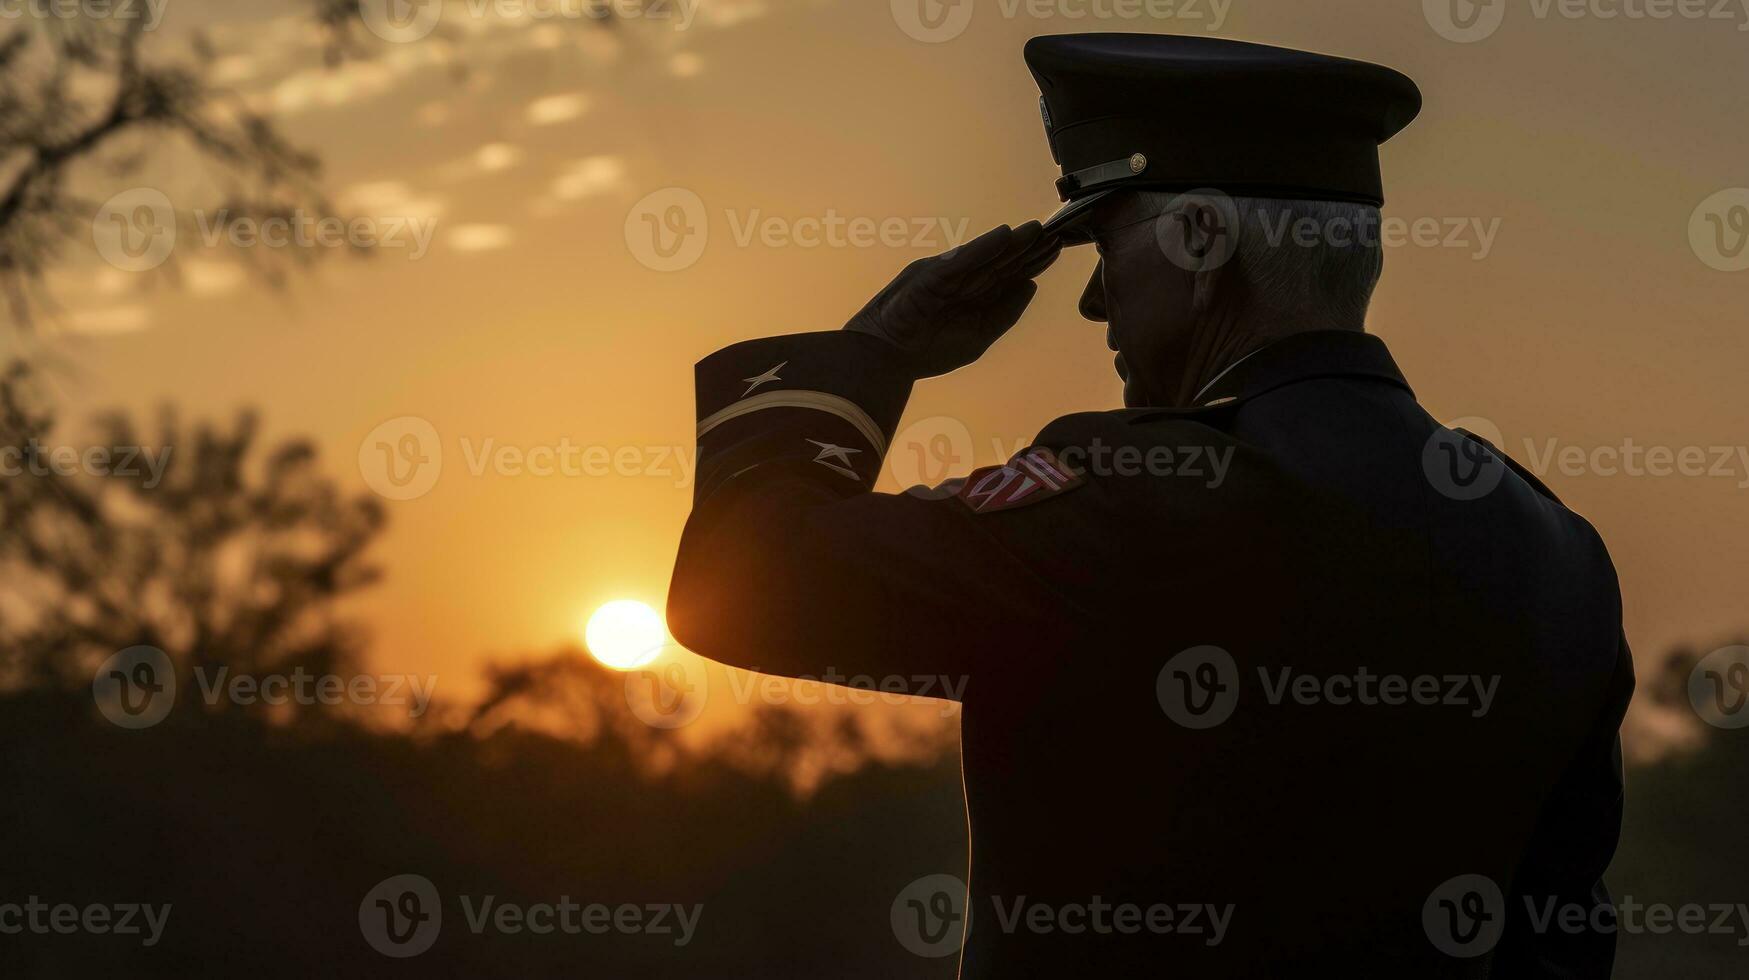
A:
706,612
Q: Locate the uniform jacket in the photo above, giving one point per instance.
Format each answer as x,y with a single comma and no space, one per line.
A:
1349,707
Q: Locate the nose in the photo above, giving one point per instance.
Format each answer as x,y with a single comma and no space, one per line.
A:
1093,297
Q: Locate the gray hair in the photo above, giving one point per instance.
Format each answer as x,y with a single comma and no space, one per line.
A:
1316,262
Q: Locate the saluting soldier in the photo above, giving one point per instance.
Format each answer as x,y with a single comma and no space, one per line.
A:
1349,709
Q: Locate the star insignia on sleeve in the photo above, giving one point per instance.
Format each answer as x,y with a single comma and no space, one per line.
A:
836,458
760,379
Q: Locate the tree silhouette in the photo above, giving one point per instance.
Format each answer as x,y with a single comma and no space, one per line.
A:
71,90
194,542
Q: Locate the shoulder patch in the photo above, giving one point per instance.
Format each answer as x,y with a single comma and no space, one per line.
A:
1031,476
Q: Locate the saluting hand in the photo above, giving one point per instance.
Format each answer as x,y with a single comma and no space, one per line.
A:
945,311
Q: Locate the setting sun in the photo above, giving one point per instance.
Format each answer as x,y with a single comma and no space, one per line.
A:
624,634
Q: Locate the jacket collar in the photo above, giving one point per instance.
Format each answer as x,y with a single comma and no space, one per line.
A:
1300,357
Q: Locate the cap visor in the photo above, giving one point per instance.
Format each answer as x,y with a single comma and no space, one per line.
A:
1070,222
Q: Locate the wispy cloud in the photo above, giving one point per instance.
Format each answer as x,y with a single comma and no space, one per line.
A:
479,238
552,109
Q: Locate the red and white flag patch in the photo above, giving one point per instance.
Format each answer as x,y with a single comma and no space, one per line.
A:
1031,476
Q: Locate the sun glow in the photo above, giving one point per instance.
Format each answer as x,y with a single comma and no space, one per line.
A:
625,634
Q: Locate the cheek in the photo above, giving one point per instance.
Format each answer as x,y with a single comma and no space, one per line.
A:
1134,299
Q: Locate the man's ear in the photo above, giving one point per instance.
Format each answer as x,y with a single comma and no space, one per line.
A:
1199,233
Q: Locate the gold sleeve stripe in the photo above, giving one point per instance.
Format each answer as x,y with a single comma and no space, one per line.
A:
820,401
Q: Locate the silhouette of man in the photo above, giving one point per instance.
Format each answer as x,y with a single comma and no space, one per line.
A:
1266,672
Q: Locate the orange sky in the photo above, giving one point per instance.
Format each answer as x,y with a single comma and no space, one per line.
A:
1572,153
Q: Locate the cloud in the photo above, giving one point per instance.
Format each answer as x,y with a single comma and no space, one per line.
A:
494,157
433,113
588,176
479,238
553,109
110,320
685,65
208,278
389,198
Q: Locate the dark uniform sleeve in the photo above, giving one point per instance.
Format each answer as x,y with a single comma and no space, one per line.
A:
790,564
1574,840
1573,843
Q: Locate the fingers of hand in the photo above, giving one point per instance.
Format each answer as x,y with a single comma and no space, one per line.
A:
985,248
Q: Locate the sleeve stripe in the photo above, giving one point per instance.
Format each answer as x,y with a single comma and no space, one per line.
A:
820,401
